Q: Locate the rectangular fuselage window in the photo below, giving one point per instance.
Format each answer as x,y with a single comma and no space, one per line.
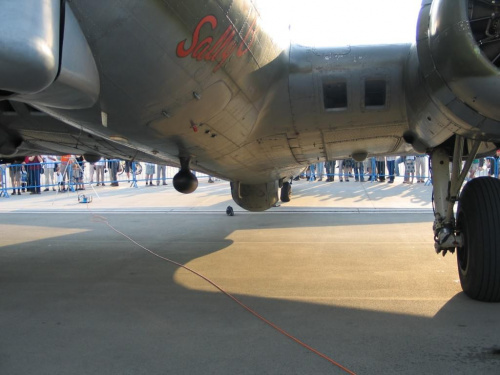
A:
375,93
335,95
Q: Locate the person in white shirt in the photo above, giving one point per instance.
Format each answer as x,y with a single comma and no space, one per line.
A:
48,170
150,171
161,171
410,168
420,162
99,169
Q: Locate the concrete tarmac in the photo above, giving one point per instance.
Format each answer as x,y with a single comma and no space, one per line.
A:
347,268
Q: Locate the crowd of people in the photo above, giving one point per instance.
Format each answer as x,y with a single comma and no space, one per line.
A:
67,172
413,168
31,174
381,169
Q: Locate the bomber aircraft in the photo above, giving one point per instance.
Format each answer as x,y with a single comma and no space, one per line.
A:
199,84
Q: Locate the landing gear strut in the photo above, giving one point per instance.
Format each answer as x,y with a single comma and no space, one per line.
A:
286,192
475,234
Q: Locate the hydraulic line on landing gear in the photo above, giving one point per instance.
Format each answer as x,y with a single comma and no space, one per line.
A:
446,237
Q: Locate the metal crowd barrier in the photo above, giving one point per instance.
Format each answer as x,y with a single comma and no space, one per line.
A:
64,177
3,185
495,166
137,175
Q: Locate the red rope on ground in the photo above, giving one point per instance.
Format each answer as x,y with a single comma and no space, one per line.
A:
101,219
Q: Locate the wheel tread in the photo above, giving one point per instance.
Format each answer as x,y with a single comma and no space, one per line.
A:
480,206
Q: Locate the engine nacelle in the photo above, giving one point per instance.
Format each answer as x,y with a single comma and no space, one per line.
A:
39,67
258,197
453,74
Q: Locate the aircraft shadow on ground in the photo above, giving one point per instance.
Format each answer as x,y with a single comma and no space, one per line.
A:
93,302
306,196
365,191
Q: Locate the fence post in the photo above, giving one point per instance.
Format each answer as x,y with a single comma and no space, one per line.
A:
429,172
134,178
373,175
3,188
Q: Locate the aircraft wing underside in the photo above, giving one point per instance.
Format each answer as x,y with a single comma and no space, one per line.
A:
42,134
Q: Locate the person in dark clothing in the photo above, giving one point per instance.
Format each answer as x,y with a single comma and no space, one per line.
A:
113,170
34,170
330,170
381,168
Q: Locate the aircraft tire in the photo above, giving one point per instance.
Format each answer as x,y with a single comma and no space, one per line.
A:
478,219
286,192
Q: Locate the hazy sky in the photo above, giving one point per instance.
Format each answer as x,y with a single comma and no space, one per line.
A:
340,22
